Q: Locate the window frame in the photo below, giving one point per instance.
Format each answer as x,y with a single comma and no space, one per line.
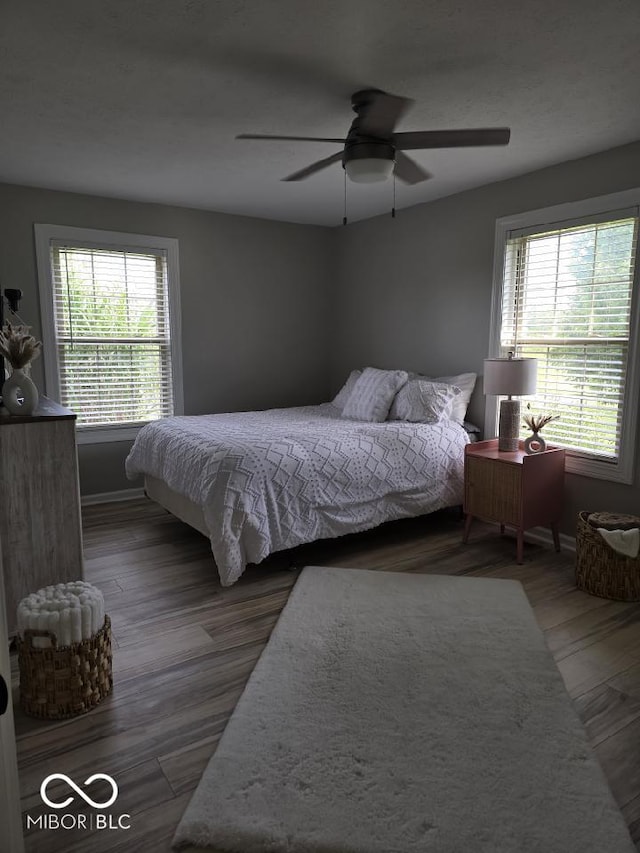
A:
118,241
564,215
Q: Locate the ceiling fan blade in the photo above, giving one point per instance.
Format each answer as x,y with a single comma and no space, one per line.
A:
408,170
314,167
292,138
451,138
382,114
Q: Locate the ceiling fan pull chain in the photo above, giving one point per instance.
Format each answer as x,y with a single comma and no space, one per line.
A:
344,218
393,209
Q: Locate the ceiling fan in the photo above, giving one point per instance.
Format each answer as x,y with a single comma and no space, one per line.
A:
372,148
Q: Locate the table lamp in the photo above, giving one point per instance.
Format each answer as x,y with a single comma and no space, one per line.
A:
508,377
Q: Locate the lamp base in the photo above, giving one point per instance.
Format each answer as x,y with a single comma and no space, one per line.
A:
509,425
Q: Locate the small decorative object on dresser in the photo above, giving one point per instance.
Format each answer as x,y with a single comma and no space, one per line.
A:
514,488
535,443
20,348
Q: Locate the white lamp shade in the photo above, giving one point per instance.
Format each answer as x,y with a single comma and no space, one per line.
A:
368,170
510,376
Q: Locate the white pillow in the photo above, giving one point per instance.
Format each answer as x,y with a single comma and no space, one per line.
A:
373,394
343,394
466,383
420,401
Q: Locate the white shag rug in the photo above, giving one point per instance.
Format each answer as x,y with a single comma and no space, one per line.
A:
396,713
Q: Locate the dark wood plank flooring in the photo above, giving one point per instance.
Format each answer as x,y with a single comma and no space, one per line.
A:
184,648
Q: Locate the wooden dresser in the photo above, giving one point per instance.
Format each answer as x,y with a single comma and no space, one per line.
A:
40,525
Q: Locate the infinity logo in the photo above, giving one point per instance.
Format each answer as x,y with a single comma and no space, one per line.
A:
72,784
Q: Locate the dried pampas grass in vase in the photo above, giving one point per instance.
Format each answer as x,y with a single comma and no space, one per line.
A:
535,443
19,348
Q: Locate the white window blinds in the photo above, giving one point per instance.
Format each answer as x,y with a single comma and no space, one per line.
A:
111,314
566,301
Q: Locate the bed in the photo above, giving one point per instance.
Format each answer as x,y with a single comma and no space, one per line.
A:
260,482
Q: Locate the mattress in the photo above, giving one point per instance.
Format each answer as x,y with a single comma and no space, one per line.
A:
271,480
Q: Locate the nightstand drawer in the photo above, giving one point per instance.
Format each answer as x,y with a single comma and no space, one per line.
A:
493,490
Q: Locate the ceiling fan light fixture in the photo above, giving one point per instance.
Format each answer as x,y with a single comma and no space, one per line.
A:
368,170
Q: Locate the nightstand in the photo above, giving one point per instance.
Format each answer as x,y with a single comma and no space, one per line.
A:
513,488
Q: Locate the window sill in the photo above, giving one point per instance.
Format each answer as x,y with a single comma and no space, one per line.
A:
598,469
107,434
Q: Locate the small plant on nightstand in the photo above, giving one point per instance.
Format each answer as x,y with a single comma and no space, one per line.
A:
535,443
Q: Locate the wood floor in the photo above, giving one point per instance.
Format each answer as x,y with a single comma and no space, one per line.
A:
184,648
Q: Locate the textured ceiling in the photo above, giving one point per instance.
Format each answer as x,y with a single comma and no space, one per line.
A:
142,100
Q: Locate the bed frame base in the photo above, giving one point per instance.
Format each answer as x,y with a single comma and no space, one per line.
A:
178,505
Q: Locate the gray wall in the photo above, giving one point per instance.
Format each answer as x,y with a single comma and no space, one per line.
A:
275,314
254,302
415,292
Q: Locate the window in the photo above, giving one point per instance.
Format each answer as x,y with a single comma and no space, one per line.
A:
110,327
566,293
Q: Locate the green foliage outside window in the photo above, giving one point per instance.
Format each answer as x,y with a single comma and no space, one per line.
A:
113,347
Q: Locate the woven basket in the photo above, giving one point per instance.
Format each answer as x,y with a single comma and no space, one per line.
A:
599,569
58,683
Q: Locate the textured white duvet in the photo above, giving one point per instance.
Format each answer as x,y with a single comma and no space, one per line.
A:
275,479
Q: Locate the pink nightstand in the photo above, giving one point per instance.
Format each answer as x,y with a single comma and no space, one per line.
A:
513,488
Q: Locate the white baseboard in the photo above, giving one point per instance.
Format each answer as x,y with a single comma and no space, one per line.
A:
542,536
112,497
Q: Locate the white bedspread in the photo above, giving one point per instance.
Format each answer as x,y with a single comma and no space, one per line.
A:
275,479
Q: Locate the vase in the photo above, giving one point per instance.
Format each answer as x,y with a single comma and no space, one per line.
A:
535,443
19,393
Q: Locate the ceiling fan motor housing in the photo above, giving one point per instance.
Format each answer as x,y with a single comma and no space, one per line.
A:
362,146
